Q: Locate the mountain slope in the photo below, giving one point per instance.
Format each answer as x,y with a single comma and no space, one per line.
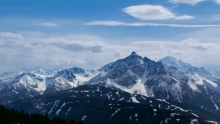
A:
109,105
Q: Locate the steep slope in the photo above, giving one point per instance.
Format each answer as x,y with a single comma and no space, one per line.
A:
29,84
200,75
110,105
143,76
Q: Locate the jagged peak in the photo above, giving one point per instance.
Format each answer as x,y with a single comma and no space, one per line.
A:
171,60
133,53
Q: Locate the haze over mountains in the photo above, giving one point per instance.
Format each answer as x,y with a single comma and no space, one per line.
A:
166,80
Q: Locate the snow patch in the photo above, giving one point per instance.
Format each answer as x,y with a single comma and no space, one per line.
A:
58,111
115,113
68,111
55,104
84,117
134,100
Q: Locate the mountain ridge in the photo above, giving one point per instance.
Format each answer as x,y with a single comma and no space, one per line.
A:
29,84
133,74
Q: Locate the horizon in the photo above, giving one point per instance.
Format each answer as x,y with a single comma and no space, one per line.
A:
90,34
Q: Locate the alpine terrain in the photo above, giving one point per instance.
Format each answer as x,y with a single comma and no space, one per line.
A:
135,89
29,84
138,75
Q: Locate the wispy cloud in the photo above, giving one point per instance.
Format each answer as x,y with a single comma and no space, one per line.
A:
7,36
49,24
32,49
217,1
184,17
139,24
191,2
79,46
190,50
88,51
194,43
153,12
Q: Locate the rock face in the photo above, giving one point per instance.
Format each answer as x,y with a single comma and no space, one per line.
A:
29,84
143,76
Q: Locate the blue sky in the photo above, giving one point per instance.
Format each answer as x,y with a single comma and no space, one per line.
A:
91,33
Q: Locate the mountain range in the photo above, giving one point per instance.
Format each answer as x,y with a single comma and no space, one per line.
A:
191,91
29,84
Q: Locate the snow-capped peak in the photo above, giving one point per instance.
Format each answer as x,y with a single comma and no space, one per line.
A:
179,64
28,84
144,76
200,75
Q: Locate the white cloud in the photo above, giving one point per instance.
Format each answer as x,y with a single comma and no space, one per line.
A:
153,12
94,46
191,2
49,24
37,49
139,24
190,50
184,17
10,36
217,1
110,23
149,12
194,43
205,35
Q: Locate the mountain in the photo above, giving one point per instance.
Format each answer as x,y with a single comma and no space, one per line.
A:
138,75
68,78
21,86
97,104
200,75
29,84
123,89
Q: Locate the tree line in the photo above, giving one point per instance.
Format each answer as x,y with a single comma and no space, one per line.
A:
12,116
